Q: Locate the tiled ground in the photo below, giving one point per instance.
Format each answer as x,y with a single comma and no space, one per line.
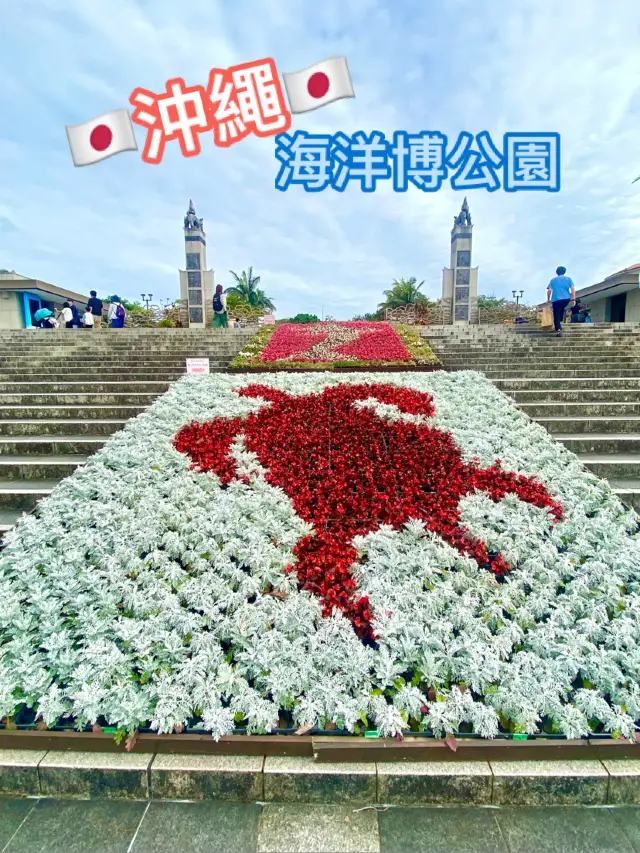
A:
101,826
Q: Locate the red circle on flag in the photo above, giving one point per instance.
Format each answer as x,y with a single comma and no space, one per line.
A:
101,137
318,85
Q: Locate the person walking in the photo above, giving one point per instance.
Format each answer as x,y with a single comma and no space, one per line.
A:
117,314
95,306
561,292
220,318
67,315
75,314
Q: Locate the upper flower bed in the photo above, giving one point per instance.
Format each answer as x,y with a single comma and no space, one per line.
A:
392,551
333,344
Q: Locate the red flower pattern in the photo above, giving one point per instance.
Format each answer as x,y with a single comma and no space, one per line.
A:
347,471
318,342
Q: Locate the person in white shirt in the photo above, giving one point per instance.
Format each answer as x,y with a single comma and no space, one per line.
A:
87,319
117,314
67,315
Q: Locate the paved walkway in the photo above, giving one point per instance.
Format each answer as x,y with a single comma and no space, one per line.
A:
102,826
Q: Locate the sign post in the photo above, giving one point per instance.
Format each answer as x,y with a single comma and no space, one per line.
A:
197,365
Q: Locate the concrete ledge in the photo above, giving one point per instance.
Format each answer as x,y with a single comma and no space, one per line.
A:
624,781
19,771
232,778
602,780
542,783
302,780
95,774
435,783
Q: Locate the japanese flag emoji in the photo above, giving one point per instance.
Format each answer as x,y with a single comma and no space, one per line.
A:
101,137
318,85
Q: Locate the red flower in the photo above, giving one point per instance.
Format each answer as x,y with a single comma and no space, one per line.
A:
319,342
347,471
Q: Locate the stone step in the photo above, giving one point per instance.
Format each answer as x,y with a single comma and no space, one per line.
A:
38,467
77,399
592,424
24,495
600,443
613,466
44,428
105,364
50,445
70,412
628,491
156,388
8,518
526,371
568,383
536,361
535,410
564,349
585,395
90,377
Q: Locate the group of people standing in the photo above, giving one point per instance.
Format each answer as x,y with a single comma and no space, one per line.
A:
91,318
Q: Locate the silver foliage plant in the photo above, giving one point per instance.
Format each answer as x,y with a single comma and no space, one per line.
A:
137,595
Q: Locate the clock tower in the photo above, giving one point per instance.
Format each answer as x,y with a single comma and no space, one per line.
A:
196,281
460,280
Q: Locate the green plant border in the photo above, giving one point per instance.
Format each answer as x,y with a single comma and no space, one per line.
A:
418,348
250,354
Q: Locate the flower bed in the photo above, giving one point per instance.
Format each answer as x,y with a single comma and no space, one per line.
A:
347,551
331,345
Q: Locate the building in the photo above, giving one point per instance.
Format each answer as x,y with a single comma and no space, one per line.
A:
460,280
21,297
196,281
616,299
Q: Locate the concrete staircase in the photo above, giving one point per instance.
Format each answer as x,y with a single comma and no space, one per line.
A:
63,392
583,387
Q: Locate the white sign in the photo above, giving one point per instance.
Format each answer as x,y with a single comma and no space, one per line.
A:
197,365
269,320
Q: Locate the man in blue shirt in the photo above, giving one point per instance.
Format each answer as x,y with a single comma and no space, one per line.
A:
560,293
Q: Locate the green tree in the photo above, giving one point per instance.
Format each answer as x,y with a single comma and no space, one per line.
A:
491,302
370,318
246,287
303,318
261,300
404,291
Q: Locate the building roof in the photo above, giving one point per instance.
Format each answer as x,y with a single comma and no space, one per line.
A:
632,268
12,281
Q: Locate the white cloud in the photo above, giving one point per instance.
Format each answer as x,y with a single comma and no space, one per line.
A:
447,65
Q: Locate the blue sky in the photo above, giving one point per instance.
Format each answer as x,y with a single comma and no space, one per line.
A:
447,65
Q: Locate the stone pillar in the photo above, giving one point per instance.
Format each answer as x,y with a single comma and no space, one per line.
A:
196,281
460,280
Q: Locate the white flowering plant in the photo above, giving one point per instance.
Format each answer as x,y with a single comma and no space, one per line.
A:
160,586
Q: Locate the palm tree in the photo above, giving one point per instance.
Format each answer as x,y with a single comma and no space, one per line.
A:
404,291
261,300
245,286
